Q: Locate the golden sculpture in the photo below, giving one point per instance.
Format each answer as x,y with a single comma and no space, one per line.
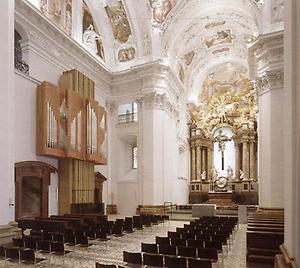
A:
230,107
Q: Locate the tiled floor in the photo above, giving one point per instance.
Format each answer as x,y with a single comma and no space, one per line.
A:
111,251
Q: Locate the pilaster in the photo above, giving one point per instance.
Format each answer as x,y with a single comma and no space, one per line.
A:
266,65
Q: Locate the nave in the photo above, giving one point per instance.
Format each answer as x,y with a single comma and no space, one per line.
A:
111,251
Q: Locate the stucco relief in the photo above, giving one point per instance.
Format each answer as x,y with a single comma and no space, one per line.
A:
222,37
126,54
221,50
60,12
188,57
119,22
214,24
161,9
181,73
277,10
224,78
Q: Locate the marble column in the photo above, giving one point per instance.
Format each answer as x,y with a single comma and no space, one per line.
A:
7,190
252,160
245,160
193,162
237,161
209,163
204,160
199,157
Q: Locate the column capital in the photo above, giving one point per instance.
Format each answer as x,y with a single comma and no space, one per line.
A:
270,80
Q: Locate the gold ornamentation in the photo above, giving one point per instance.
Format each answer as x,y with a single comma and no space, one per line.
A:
235,108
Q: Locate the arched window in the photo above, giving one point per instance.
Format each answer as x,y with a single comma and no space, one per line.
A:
20,64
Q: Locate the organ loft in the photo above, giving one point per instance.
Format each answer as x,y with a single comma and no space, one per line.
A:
150,133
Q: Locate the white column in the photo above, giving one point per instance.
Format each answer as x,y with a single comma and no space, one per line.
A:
266,58
245,160
291,117
237,161
252,161
199,162
193,166
7,111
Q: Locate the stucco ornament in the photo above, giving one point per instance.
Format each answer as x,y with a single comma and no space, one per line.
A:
161,9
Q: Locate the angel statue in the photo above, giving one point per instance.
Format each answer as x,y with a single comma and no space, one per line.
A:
89,39
214,173
229,173
203,176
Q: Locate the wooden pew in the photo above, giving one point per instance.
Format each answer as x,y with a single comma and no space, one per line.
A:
265,234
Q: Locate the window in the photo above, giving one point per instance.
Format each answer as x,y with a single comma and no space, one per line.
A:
134,157
127,113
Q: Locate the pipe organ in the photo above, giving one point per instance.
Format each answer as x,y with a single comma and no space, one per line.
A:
71,126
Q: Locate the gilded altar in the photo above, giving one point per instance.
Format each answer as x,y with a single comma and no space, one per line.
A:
223,139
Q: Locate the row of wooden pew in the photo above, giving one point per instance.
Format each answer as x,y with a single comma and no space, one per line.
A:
50,235
183,248
265,234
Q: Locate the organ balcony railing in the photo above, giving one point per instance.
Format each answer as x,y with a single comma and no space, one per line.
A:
127,118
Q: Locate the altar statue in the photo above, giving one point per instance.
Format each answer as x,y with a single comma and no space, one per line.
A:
229,173
214,173
90,38
203,176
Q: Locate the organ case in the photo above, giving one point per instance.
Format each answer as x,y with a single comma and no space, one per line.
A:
70,125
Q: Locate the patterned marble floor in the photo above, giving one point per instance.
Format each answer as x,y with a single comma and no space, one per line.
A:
111,251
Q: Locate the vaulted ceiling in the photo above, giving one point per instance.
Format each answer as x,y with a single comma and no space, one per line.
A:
192,36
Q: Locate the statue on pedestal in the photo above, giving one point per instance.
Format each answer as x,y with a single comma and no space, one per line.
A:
229,173
214,173
203,176
90,38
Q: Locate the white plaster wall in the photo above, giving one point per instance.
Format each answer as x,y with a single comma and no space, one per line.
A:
127,197
180,187
145,144
25,121
7,111
270,149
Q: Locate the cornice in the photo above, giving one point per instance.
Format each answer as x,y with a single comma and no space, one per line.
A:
50,43
266,39
55,46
